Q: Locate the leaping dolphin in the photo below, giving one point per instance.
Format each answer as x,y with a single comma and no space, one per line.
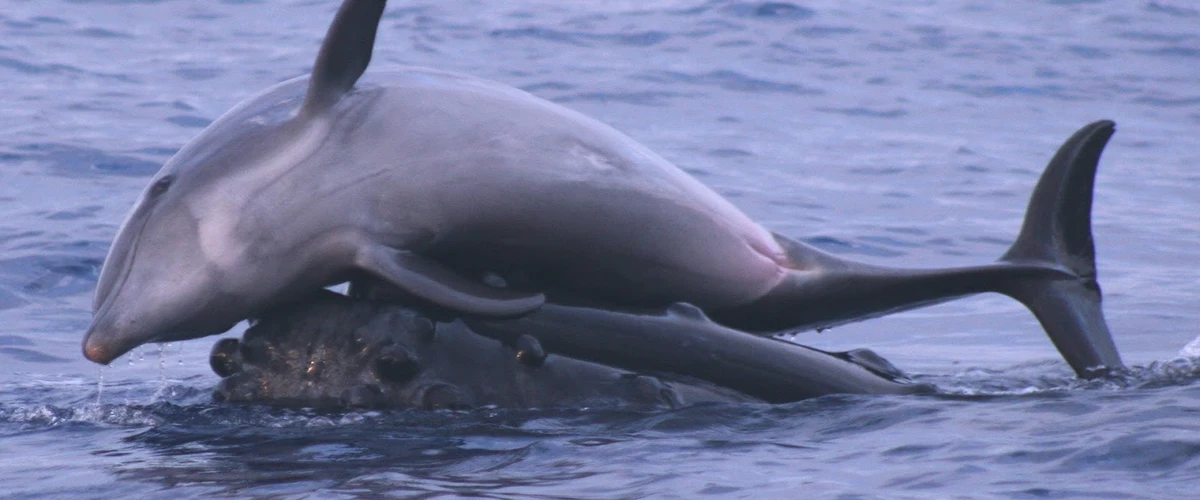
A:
428,180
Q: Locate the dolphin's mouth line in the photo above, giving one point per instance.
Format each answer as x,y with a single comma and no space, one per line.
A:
110,295
126,267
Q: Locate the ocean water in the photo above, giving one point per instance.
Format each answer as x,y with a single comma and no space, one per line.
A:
902,133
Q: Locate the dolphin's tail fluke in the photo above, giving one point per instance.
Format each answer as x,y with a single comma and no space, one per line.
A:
1051,269
1058,233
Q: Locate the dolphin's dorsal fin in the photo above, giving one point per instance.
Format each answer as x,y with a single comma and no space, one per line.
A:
344,54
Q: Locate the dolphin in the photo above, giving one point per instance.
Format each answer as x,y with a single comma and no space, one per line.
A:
484,201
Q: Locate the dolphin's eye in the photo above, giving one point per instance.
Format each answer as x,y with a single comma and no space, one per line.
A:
160,186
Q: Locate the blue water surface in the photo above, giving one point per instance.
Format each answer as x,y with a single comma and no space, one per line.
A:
903,133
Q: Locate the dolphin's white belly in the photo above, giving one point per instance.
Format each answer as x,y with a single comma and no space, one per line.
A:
531,181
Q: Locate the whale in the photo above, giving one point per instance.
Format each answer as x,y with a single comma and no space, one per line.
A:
478,200
334,351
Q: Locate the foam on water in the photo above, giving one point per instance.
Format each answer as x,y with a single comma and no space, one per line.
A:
1115,433
1191,350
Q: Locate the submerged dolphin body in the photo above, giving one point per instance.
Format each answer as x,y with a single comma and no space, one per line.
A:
429,181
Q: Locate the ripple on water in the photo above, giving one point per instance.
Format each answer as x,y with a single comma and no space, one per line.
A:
932,109
67,159
768,10
52,275
727,80
1066,426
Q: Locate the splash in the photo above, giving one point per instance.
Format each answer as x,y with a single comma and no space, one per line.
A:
1192,349
100,385
164,391
162,366
1048,377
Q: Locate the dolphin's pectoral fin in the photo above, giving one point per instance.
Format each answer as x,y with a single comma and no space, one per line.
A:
429,280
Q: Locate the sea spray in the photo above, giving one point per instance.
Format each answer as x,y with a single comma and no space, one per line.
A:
163,392
100,385
1191,350
162,364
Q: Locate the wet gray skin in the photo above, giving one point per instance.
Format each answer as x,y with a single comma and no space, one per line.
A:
426,180
333,351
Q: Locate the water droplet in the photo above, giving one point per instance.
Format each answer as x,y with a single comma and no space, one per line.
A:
162,368
100,384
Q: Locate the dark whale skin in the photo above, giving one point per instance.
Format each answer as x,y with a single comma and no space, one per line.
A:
331,351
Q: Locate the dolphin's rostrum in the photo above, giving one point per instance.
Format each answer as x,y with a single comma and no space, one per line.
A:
429,181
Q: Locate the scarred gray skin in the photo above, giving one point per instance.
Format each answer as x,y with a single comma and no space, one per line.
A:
329,350
426,180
